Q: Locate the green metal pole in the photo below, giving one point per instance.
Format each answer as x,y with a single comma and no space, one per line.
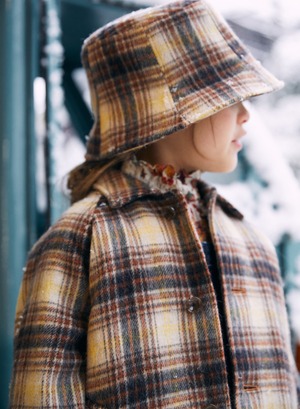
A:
18,56
13,194
3,227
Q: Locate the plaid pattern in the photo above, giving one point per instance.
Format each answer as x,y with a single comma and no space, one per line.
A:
161,69
165,178
117,309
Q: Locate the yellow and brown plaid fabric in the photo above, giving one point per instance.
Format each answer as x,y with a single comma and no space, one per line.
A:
158,70
117,309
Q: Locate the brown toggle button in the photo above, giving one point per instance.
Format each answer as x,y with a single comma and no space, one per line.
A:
170,212
193,304
239,290
250,388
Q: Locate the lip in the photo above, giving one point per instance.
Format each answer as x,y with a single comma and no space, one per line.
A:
237,143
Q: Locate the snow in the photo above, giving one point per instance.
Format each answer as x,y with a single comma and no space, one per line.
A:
57,96
80,79
54,48
39,92
284,123
282,110
53,23
56,76
234,8
285,56
286,12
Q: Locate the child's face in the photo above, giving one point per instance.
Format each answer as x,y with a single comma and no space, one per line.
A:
211,144
216,140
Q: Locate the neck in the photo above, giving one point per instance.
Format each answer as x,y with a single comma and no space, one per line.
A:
167,151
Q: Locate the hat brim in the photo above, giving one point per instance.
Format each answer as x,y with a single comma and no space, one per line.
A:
253,80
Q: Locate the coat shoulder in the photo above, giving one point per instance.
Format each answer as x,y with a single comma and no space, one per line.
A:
71,228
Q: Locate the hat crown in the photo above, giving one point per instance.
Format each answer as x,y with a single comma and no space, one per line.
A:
158,70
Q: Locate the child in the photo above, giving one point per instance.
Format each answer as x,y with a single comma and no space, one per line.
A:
152,291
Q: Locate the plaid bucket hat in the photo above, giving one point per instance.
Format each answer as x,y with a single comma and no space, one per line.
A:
160,69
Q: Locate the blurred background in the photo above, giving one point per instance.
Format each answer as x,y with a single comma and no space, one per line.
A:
45,117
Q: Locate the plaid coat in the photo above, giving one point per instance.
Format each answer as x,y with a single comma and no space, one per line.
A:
117,309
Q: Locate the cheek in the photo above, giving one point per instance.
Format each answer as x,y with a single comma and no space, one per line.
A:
204,138
211,146
202,147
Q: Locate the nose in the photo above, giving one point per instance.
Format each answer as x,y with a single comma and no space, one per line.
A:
244,114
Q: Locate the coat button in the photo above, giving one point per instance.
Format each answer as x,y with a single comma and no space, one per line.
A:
170,212
193,304
211,407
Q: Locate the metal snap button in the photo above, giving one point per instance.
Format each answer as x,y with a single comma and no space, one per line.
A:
170,212
193,304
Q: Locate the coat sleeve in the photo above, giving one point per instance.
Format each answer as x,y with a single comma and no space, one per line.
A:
51,318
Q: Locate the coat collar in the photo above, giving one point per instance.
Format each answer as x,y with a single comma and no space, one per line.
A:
119,189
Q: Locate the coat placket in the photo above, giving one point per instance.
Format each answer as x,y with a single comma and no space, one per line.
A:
185,298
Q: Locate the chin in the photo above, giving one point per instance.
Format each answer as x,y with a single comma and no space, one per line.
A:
227,168
215,166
